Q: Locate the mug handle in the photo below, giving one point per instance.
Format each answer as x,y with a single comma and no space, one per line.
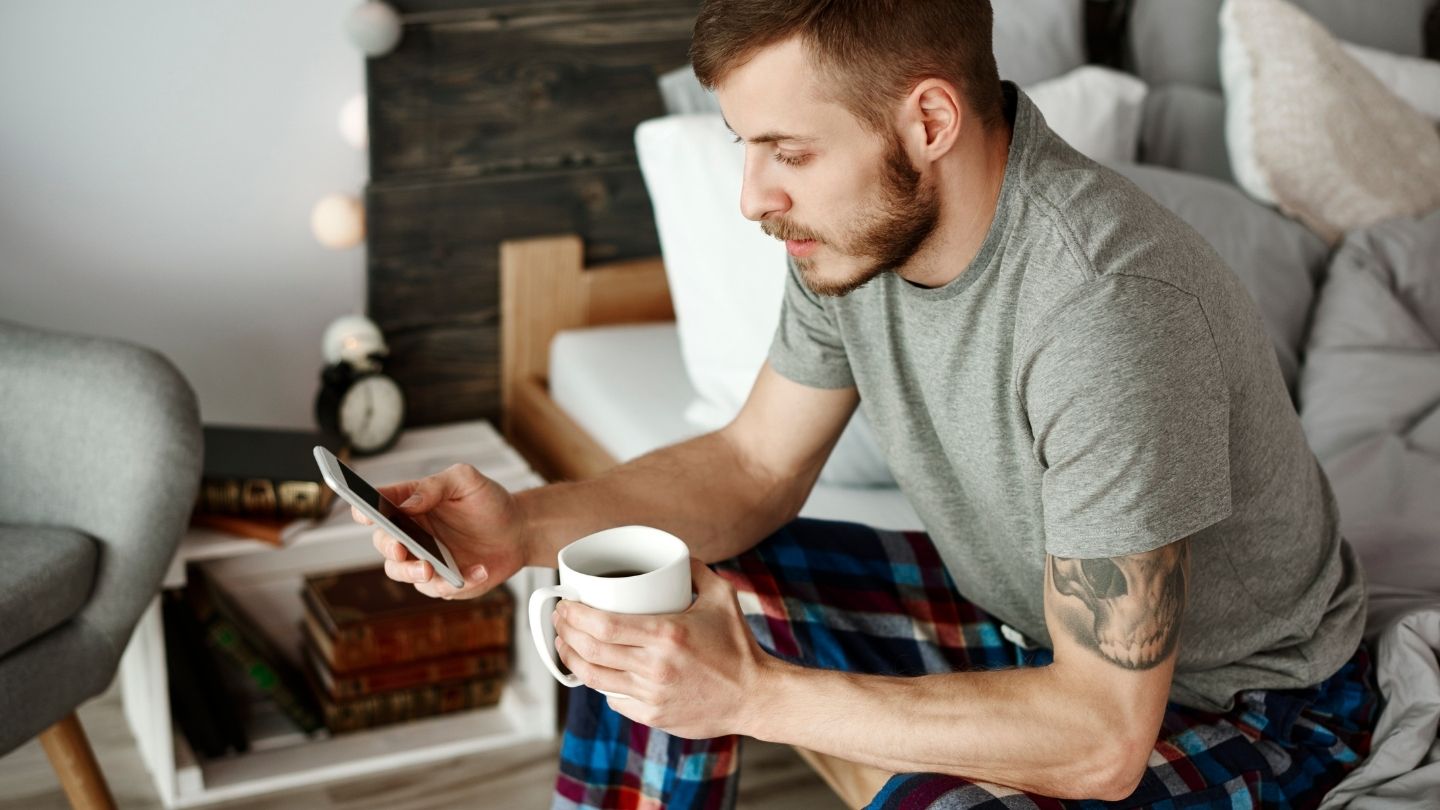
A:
545,640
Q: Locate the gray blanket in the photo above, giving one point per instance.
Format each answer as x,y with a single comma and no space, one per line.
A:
1370,403
1403,769
1370,397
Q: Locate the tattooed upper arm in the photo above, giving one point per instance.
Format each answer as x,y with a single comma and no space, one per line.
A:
1125,609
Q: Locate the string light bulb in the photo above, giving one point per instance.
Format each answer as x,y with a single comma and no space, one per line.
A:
338,221
374,27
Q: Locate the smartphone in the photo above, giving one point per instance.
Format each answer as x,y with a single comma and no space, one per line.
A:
358,493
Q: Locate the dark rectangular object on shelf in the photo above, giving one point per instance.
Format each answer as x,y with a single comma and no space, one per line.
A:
205,714
239,642
263,472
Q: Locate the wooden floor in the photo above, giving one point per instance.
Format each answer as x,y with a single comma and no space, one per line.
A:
773,777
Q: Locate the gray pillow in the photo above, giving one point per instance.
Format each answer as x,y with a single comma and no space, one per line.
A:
1037,40
1179,40
1183,127
1277,259
1034,40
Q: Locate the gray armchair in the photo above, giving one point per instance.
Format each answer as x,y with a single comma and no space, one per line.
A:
100,453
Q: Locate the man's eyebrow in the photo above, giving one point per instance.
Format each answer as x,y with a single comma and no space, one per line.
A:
768,137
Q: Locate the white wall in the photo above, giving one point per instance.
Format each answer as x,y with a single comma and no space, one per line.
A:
158,163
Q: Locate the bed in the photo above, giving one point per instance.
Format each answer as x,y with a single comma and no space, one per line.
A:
598,369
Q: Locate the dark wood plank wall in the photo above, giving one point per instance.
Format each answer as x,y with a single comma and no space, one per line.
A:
495,120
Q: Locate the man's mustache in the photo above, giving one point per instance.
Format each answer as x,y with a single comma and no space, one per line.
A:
787,231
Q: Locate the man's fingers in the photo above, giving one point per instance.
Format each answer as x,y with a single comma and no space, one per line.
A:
600,677
476,584
359,517
614,656
612,628
388,546
415,571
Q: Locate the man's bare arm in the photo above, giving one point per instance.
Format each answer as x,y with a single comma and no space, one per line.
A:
721,493
1082,727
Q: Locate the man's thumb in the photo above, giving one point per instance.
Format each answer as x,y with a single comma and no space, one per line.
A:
419,498
704,578
432,489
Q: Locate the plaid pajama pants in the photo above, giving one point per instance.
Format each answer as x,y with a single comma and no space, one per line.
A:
844,596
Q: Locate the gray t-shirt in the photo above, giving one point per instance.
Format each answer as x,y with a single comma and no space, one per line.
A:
1097,383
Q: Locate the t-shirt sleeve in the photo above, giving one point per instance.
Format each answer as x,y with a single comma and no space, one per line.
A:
807,348
1130,412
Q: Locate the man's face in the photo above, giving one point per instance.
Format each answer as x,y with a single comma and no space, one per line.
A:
848,202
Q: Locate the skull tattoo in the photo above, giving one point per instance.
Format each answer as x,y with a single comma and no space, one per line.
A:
1136,602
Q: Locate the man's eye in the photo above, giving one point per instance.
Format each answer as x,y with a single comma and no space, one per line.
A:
781,157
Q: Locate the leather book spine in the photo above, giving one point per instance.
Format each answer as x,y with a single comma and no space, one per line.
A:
264,498
410,704
398,644
485,663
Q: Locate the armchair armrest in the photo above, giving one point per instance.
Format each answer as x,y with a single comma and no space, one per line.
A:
101,436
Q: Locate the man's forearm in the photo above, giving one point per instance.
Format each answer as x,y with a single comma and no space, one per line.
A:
1025,728
701,490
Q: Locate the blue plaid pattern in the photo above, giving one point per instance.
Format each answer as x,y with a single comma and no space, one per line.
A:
844,596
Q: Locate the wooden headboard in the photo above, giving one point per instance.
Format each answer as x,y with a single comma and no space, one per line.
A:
493,120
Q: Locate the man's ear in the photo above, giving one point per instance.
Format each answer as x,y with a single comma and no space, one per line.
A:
933,117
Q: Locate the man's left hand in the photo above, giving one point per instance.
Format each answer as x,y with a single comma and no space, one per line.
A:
695,674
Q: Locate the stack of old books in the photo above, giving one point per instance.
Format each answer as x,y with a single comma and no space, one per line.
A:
379,651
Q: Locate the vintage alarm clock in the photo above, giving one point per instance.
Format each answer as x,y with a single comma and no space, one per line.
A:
357,401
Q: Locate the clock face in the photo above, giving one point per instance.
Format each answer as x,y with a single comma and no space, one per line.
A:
372,412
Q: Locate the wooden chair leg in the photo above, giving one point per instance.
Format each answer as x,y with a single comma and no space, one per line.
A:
75,764
856,784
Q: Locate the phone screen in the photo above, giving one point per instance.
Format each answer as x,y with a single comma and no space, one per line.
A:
401,520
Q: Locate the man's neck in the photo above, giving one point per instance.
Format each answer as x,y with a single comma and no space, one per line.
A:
969,195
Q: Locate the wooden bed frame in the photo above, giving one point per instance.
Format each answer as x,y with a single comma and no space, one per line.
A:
545,288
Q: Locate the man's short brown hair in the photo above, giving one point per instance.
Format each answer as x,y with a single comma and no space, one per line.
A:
871,53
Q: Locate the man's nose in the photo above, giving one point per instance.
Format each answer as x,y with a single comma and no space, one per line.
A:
758,196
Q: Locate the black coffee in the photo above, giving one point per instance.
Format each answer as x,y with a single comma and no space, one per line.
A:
623,572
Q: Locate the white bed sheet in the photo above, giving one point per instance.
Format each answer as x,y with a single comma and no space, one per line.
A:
626,386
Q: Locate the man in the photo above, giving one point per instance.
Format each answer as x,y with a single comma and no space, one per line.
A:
1075,394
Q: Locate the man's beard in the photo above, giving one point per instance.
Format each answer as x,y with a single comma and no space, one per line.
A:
890,233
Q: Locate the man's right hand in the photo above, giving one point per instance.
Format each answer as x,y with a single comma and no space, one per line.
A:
476,518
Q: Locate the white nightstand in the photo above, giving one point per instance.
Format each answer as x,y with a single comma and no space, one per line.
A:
266,581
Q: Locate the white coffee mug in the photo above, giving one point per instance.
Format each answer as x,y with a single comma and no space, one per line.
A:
629,569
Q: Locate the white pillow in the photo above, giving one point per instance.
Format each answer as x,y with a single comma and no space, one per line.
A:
1095,109
1312,131
727,279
